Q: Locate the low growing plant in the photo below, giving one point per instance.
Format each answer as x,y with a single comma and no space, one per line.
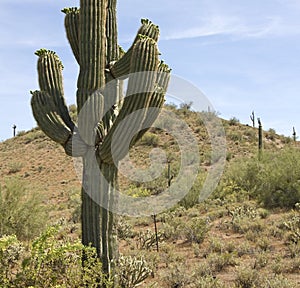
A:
22,213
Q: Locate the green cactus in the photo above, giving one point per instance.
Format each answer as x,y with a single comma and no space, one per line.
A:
260,139
92,34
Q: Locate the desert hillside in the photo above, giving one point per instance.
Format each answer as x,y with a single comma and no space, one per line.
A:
239,237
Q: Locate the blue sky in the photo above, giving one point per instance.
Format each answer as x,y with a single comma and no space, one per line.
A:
243,55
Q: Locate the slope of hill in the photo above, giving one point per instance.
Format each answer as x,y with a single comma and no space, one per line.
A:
212,244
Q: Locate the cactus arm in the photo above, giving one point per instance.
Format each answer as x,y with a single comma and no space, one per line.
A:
139,91
72,29
121,68
157,100
44,112
49,108
148,29
50,80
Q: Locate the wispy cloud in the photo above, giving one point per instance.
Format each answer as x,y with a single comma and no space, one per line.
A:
235,26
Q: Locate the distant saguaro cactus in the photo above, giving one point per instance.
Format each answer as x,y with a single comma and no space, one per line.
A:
252,117
92,34
14,129
294,134
260,138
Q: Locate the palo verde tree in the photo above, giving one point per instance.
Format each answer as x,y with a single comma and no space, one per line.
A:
102,108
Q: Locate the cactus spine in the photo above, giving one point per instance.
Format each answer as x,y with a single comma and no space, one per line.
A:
92,34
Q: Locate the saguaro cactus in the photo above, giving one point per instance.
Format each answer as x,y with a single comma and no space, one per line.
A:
252,117
294,134
14,129
92,34
260,138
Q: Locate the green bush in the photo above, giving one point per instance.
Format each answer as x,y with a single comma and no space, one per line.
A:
73,112
273,181
192,197
11,251
51,260
247,278
150,139
22,212
233,121
196,230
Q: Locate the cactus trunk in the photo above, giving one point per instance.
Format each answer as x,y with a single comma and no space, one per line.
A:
92,34
98,227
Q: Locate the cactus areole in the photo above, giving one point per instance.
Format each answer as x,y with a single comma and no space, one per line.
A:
92,34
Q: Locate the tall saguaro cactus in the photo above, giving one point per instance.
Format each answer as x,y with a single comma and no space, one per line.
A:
92,34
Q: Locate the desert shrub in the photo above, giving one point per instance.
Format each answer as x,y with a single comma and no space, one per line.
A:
207,282
195,230
292,224
203,270
251,134
233,121
271,134
74,204
22,212
170,106
229,191
185,108
171,231
132,271
247,278
31,135
294,250
193,196
15,167
147,239
245,225
215,245
273,181
73,112
51,260
138,192
286,139
261,260
264,244
278,281
177,276
11,250
150,139
124,229
21,133
218,262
